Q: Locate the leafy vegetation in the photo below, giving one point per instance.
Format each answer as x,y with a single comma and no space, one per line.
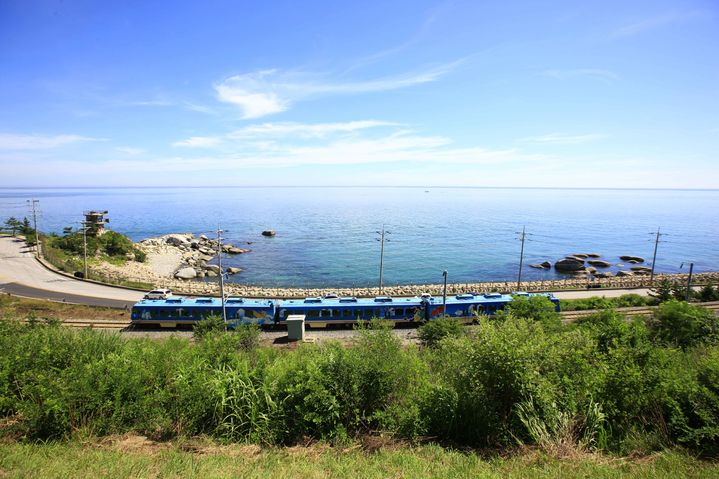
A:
597,302
604,384
432,332
110,244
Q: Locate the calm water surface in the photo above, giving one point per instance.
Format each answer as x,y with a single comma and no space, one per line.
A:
327,236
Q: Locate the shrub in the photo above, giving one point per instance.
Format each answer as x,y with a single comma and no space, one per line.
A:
709,293
535,308
684,325
212,323
431,333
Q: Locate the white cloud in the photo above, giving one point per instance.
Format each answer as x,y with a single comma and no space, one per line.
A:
129,150
11,141
307,130
266,92
199,142
656,21
562,139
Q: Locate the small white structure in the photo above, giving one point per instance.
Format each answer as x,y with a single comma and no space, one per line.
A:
296,327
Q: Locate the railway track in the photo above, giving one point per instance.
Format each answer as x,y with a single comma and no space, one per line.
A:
568,316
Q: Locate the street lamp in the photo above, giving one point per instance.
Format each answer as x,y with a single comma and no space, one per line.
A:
381,239
444,295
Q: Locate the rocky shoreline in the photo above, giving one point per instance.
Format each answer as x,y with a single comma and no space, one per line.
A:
172,258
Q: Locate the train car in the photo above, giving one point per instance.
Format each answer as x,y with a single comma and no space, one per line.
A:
468,305
320,312
174,311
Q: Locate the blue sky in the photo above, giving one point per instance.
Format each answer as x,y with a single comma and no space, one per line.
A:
426,93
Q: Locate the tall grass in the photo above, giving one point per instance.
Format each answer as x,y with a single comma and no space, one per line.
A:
603,384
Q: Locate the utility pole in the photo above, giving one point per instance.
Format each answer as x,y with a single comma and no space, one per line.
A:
381,239
654,257
222,278
522,238
444,294
33,204
84,245
689,281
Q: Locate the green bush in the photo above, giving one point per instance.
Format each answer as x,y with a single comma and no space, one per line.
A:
535,308
211,324
431,333
684,325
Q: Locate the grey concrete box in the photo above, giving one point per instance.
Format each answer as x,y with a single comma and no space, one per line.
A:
296,327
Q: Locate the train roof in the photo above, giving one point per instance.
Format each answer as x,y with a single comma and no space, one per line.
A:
351,302
485,298
230,302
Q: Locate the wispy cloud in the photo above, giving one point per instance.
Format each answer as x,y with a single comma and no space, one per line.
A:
597,73
562,139
656,21
129,150
266,92
306,130
199,142
12,141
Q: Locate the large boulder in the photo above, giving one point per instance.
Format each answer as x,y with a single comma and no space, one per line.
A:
213,267
177,240
640,268
593,255
579,255
569,264
538,266
234,250
606,274
632,259
233,270
186,273
625,273
598,263
269,233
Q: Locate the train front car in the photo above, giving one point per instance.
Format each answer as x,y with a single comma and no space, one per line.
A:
176,311
320,312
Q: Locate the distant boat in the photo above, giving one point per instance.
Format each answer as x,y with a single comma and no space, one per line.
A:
426,191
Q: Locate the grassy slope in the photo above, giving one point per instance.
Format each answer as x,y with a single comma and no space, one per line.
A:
19,308
132,458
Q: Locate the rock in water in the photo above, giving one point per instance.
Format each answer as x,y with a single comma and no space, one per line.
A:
569,264
268,233
599,263
593,255
580,255
628,258
233,270
186,273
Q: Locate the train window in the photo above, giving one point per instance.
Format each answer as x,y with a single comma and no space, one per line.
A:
399,312
347,313
312,313
336,313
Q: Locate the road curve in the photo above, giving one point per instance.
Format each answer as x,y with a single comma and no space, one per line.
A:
22,275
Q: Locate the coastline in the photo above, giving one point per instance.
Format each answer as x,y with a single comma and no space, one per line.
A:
164,260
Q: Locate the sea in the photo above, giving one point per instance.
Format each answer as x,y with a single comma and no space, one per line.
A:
330,236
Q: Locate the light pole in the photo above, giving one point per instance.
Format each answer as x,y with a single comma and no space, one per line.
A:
34,203
654,257
689,280
381,239
522,237
222,279
444,294
84,246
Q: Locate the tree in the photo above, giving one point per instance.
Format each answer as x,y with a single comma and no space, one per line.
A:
13,225
663,291
537,308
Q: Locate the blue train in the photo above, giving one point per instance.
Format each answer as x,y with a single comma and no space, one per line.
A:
320,312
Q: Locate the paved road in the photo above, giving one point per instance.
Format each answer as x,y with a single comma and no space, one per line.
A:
23,275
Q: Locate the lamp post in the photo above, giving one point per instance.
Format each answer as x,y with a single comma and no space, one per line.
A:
222,279
381,239
444,294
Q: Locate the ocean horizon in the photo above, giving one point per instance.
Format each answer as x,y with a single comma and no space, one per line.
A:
327,237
